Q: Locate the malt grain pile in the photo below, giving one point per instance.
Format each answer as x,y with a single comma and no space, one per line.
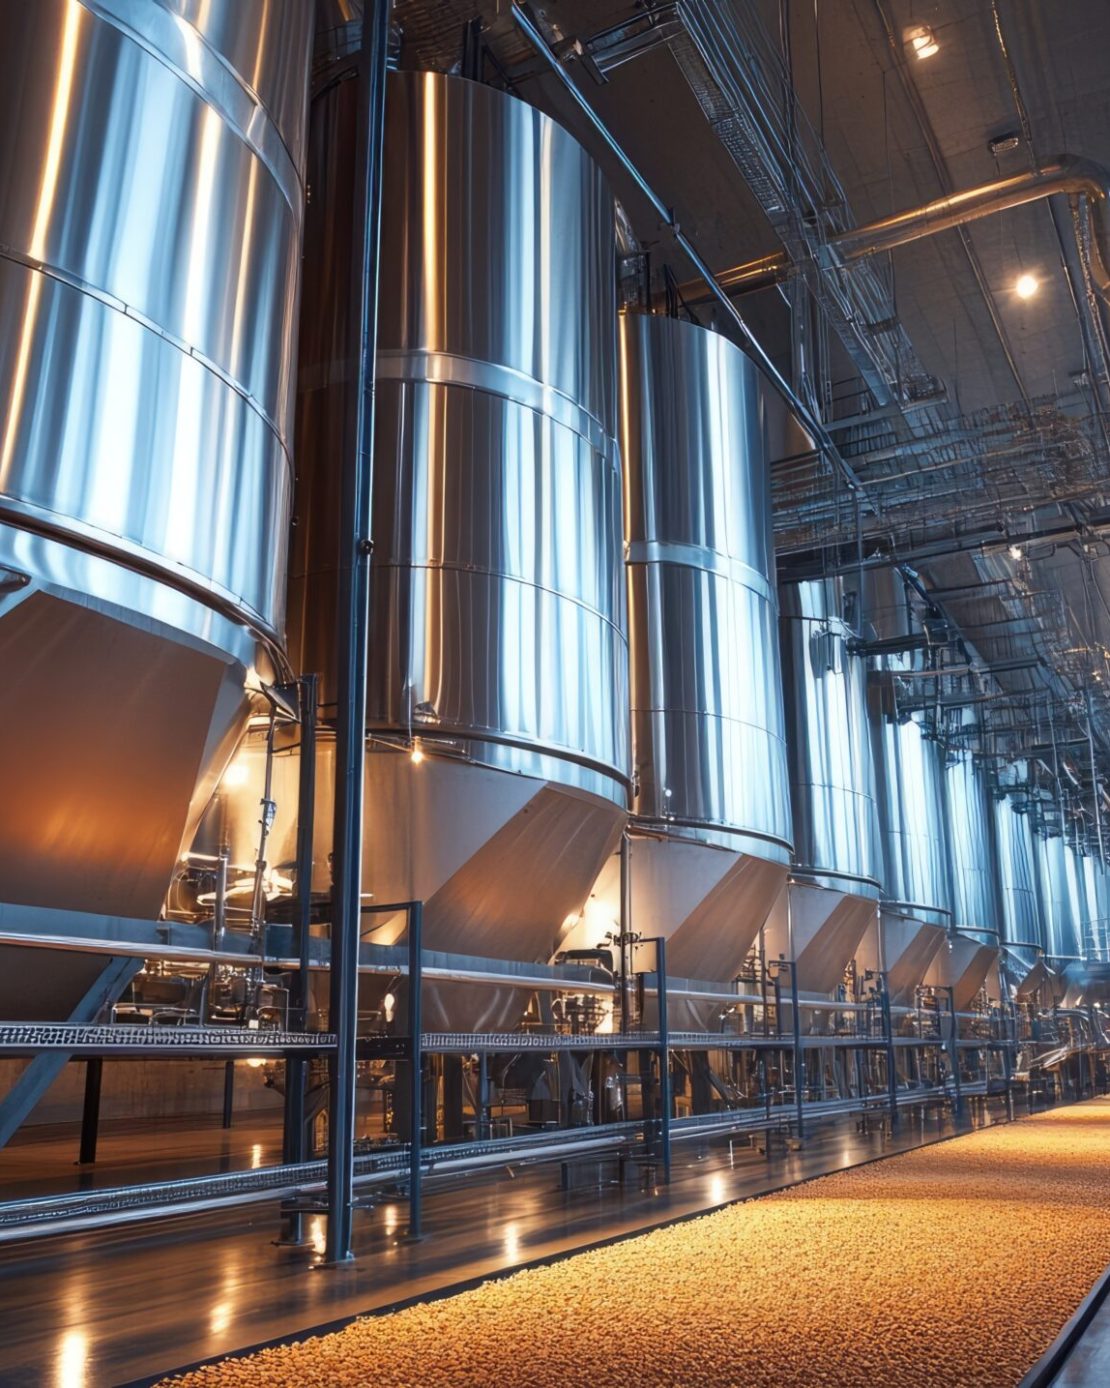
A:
953,1265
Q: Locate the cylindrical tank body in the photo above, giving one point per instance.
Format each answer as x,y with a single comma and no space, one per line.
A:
711,809
498,612
1060,900
832,781
976,909
707,710
151,204
1017,873
837,861
916,908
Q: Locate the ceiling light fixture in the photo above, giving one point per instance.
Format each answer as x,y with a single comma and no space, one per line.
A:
417,753
923,42
1015,551
1026,286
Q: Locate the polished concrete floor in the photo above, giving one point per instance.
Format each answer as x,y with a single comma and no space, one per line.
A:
115,1306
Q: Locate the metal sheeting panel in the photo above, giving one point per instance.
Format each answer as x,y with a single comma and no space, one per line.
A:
836,821
707,716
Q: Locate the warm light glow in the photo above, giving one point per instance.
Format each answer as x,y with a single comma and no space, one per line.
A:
923,42
1026,286
512,1241
236,774
72,1360
417,753
256,1062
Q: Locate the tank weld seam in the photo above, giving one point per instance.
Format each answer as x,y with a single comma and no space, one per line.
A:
430,732
129,554
173,29
663,825
126,310
760,728
701,559
424,366
481,571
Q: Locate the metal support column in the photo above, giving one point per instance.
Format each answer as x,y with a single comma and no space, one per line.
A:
625,931
229,1091
481,1117
300,1000
416,1066
90,1112
954,1052
799,1058
356,495
891,1058
664,1058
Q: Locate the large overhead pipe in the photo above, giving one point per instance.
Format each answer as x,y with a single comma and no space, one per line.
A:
1074,177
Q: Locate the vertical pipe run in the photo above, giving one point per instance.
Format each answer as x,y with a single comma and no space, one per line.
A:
625,930
799,1062
229,1091
356,495
891,1059
90,1113
664,1058
416,1065
293,1129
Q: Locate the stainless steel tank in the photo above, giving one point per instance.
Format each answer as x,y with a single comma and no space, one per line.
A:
1060,902
151,204
1023,926
916,909
835,880
976,908
711,811
498,768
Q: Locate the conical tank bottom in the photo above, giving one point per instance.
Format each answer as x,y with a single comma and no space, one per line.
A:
902,947
707,903
821,931
964,965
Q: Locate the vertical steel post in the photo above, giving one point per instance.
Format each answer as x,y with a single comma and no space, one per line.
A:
293,1130
664,1058
891,1057
353,616
416,1065
955,1051
799,1063
625,930
481,1118
90,1112
229,1091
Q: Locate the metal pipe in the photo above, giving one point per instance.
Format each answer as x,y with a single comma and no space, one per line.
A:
353,635
90,1112
805,415
293,1120
664,1059
416,1068
1068,175
269,810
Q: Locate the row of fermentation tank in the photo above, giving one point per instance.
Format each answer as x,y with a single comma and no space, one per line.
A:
576,622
